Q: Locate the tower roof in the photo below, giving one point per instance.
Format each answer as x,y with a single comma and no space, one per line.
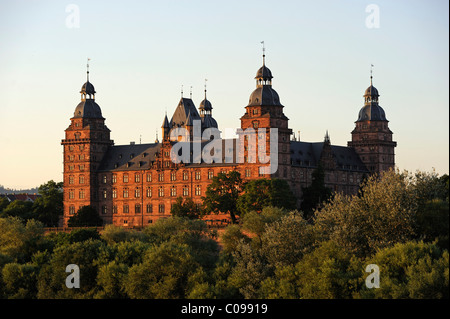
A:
264,73
88,88
88,109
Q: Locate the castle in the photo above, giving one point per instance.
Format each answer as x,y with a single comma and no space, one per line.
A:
133,185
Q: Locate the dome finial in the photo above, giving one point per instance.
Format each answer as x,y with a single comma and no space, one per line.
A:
264,53
87,69
371,70
205,87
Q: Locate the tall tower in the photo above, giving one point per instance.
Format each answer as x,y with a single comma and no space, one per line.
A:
86,141
264,111
372,138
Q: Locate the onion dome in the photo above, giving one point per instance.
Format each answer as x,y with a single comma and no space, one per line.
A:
371,111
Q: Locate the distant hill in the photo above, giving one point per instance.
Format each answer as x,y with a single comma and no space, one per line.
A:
5,190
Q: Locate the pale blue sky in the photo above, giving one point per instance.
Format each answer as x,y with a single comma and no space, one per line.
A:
142,52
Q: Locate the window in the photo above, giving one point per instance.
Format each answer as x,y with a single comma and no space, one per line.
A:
71,194
81,179
81,157
125,178
149,192
185,191
173,176
137,193
198,190
149,208
198,175
210,174
114,179
161,177
161,208
71,148
81,194
81,147
248,172
104,209
114,193
70,180
149,177
71,167
126,209
185,175
137,209
125,192
137,178
114,209
173,191
161,192
105,194
81,167
104,179
71,210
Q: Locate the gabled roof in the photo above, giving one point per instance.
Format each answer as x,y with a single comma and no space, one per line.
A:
180,116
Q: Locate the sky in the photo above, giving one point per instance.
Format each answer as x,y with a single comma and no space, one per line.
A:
142,52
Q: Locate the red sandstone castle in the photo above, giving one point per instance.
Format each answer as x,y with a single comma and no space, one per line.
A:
133,185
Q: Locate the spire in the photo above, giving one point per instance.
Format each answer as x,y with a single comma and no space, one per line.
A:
371,70
264,53
87,69
166,122
205,87
327,138
190,94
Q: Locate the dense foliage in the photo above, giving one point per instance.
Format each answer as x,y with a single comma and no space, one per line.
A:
398,222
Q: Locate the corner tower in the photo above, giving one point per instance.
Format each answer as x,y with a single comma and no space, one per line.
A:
265,111
372,138
86,141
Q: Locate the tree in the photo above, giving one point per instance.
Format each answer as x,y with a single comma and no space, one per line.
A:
163,274
49,206
19,208
18,240
382,216
52,277
261,193
327,272
316,194
186,208
86,216
411,270
222,194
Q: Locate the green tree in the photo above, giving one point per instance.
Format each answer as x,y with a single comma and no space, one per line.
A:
4,202
163,274
257,222
49,206
19,281
18,240
261,193
86,216
52,276
411,270
222,194
19,208
186,208
328,272
316,194
381,217
285,241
